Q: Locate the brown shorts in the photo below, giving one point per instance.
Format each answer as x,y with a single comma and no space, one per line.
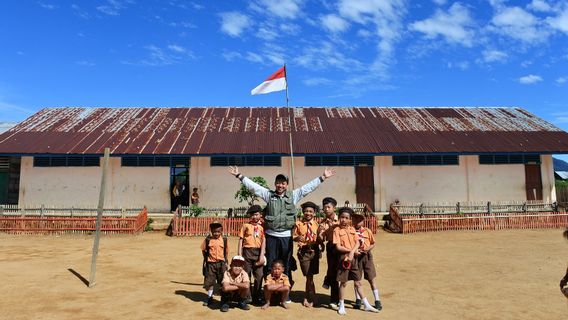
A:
309,260
344,275
214,273
367,266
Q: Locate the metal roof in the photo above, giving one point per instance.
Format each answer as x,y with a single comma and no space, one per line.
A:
562,174
265,130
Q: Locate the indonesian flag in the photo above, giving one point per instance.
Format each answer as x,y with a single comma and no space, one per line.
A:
276,82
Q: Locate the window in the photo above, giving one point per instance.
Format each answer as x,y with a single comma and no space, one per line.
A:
426,160
509,158
154,161
344,160
67,161
244,161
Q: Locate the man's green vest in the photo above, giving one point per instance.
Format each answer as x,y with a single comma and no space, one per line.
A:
280,212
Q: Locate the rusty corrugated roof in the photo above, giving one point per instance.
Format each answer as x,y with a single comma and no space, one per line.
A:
225,130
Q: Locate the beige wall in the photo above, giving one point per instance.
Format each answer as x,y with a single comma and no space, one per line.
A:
217,187
138,186
79,186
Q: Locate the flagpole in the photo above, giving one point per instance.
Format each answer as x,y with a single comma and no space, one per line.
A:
291,128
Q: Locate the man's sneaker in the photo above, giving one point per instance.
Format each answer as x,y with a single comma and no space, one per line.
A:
208,301
334,306
244,305
378,305
288,301
357,304
224,307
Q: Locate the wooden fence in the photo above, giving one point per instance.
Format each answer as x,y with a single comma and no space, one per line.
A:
63,222
199,226
531,216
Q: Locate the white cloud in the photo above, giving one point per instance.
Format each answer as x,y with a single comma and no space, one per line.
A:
47,6
267,32
326,55
439,2
286,9
158,57
530,79
454,26
494,56
560,22
561,80
312,82
80,12
385,17
516,23
231,55
85,63
463,65
113,7
234,23
540,5
177,48
5,126
334,23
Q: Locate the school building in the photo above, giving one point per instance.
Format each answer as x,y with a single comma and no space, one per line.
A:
381,155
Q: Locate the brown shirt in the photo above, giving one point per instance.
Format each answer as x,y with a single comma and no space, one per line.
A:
346,237
282,280
252,235
240,278
308,231
217,250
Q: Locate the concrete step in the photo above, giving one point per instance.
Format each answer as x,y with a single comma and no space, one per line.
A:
160,221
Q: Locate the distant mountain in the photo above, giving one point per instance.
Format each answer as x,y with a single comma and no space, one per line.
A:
5,126
559,165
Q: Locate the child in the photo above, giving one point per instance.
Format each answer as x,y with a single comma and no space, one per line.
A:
347,244
215,251
325,233
251,247
276,283
365,259
564,281
235,285
195,197
306,235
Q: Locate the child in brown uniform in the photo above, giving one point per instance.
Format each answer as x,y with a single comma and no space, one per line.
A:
345,239
564,281
277,283
365,261
215,251
325,234
235,285
251,247
309,251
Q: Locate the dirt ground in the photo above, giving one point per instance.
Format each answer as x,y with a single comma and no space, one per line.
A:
445,275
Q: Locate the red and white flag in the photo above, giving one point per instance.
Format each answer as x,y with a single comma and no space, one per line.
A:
276,82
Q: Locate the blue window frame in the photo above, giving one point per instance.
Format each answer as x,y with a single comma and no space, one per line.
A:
154,161
426,160
510,158
246,161
67,161
343,160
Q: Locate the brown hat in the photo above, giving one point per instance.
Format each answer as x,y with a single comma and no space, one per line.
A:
345,209
310,204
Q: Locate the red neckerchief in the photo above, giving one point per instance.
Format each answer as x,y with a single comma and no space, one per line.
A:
256,230
360,237
310,235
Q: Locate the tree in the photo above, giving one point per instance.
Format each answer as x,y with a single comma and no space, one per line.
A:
244,195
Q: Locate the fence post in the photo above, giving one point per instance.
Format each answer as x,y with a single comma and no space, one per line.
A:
458,209
72,211
421,209
1,210
525,207
555,206
489,208
41,209
122,213
179,211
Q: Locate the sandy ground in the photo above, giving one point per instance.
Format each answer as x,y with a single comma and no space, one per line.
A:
446,275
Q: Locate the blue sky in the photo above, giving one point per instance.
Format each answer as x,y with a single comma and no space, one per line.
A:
116,53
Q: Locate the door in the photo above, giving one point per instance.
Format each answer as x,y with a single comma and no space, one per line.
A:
365,186
179,186
533,181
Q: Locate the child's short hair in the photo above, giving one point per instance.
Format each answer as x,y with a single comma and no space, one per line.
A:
328,200
310,204
254,209
346,210
214,225
277,262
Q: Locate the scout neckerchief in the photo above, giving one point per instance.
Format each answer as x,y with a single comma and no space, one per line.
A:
310,235
256,230
360,237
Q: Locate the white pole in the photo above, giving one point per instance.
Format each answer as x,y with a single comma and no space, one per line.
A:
291,128
99,220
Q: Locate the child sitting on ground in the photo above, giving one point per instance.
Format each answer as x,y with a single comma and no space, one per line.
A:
277,285
309,251
215,251
345,239
235,285
251,247
365,261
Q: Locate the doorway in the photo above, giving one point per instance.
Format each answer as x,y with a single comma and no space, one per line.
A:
365,186
533,181
179,186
